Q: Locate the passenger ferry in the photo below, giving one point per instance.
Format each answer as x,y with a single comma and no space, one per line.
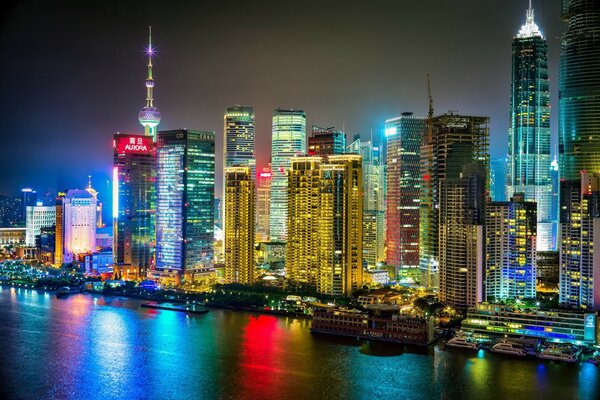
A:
558,353
507,347
463,343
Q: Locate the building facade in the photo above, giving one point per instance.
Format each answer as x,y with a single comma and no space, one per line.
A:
451,142
263,205
340,226
38,217
511,249
326,141
529,139
579,90
239,225
374,201
134,205
579,238
185,202
304,207
404,135
288,140
488,321
462,235
239,129
79,222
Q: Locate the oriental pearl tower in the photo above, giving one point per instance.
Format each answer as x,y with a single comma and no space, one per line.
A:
149,116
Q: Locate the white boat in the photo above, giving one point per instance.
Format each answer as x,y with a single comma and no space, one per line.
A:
507,347
463,343
558,353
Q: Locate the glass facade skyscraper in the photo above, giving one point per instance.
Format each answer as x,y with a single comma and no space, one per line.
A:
288,140
239,139
134,201
579,89
529,155
374,200
404,135
185,202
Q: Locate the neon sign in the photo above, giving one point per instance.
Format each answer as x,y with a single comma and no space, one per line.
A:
134,144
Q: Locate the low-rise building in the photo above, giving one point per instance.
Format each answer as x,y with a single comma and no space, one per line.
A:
381,322
487,321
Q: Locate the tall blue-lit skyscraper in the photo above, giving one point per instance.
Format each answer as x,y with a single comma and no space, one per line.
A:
288,140
403,135
529,155
579,90
185,203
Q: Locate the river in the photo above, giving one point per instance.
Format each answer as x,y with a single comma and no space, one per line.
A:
95,347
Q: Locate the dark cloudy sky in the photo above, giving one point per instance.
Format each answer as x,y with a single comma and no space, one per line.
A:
72,72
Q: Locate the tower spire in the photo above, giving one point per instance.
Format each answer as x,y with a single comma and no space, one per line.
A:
149,116
149,79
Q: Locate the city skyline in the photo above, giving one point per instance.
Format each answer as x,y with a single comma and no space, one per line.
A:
370,91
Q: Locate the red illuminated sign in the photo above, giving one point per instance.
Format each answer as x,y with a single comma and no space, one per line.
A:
265,174
134,144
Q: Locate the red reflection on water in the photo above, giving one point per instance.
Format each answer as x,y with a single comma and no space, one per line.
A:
261,359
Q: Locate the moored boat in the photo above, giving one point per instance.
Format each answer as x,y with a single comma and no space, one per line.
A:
463,343
505,346
558,353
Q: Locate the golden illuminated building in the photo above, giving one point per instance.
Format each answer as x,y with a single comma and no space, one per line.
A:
325,223
302,260
239,225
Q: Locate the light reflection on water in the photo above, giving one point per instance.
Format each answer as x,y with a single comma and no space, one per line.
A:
95,347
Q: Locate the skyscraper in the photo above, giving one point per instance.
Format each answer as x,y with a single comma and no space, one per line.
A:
263,204
579,90
238,142
461,232
239,225
185,203
579,272
28,199
288,140
340,225
134,202
149,116
79,222
404,135
304,206
325,141
373,204
59,242
529,134
511,249
454,142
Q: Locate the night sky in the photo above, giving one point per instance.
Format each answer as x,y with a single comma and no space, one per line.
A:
72,72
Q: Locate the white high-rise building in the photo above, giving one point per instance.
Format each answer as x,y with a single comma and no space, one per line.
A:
36,218
79,222
288,140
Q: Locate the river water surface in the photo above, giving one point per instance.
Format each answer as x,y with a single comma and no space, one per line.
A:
94,347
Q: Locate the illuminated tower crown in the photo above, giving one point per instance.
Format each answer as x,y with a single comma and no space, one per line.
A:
149,116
